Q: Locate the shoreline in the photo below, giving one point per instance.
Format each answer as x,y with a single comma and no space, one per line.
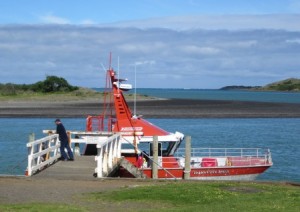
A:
159,108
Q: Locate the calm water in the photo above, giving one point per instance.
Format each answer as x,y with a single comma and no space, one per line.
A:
282,136
240,95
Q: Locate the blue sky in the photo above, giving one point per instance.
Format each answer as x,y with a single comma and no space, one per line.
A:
175,44
99,11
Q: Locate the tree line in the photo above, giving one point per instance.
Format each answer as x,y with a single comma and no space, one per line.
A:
51,84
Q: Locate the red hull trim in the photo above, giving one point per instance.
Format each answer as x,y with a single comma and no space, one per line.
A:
209,172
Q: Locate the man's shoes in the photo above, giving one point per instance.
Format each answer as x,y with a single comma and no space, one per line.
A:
66,159
62,159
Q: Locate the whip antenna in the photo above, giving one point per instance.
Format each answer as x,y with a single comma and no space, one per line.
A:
134,108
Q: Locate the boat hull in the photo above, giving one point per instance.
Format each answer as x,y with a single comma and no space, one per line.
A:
215,173
224,173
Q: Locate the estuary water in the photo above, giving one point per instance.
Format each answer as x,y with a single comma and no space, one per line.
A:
280,135
214,94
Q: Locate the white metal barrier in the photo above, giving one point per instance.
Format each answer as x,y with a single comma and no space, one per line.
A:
224,152
227,156
108,154
42,153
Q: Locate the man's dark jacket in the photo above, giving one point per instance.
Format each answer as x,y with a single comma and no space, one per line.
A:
61,131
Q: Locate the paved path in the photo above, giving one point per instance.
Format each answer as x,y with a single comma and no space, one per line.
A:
20,190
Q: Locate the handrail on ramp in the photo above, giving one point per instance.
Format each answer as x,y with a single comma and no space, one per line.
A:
41,153
45,151
108,155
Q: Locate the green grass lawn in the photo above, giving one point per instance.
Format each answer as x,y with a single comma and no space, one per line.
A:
183,196
81,94
212,196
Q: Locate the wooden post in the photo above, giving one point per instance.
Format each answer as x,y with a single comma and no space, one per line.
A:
155,158
187,169
69,138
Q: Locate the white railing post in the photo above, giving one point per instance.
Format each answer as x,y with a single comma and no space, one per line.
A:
110,154
99,159
56,150
119,148
114,152
30,153
105,159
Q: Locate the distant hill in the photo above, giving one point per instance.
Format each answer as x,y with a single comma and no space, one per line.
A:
291,84
239,87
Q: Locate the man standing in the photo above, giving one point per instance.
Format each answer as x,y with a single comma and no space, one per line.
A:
64,143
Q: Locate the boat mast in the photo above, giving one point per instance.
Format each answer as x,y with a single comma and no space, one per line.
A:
119,74
107,103
134,107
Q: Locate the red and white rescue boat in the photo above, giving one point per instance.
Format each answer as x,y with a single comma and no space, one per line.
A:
137,148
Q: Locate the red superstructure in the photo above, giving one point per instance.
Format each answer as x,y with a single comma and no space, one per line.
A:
124,120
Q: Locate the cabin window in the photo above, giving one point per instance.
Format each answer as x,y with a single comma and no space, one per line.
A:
159,149
164,148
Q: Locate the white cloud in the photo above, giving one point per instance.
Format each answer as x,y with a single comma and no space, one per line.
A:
50,64
217,22
52,19
139,46
145,62
87,22
246,44
193,49
297,40
166,58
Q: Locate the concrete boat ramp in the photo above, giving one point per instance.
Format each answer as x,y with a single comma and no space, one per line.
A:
82,168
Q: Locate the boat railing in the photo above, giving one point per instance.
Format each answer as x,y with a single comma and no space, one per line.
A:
99,123
224,152
201,157
41,153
